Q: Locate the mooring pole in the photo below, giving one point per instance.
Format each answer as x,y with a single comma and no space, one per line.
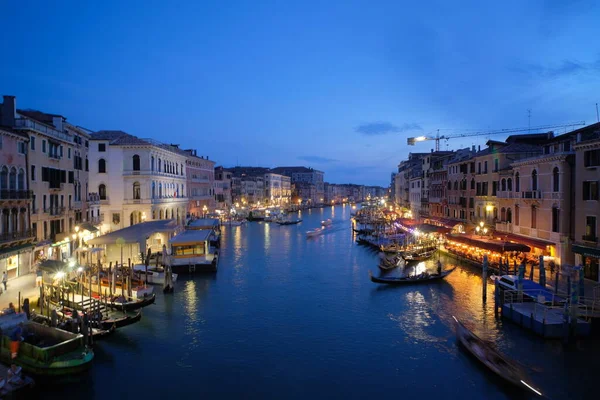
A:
484,273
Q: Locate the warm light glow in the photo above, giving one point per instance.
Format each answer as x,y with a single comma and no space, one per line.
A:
420,138
481,224
59,275
74,236
77,228
71,264
485,231
80,269
489,208
478,229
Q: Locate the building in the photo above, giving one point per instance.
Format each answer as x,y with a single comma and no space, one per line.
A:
137,179
278,189
586,192
460,186
57,174
222,189
305,177
200,174
16,235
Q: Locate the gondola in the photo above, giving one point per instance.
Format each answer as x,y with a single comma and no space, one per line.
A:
418,255
387,264
65,325
293,222
502,366
131,305
107,322
424,277
392,248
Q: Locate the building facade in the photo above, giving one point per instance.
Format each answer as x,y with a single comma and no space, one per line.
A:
305,177
200,172
222,190
137,179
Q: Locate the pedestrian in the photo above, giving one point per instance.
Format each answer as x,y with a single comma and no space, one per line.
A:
38,277
15,340
4,279
85,321
26,308
11,308
53,318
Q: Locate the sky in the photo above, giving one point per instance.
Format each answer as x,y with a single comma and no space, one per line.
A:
334,85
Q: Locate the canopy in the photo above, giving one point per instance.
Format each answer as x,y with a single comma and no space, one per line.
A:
86,226
52,266
489,244
191,236
91,250
428,228
137,233
204,223
533,242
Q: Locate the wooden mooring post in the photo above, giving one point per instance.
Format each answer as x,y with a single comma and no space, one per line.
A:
484,272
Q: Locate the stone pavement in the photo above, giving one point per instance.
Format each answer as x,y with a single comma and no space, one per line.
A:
24,284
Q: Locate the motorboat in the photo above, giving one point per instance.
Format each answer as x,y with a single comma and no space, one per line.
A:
156,276
314,232
327,222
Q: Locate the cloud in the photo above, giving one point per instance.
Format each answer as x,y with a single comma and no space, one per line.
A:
317,159
566,68
384,128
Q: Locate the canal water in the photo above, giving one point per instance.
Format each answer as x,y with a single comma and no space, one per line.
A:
287,317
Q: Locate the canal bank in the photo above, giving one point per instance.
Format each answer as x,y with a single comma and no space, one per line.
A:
287,317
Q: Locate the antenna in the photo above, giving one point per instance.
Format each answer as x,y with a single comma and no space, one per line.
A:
529,120
597,115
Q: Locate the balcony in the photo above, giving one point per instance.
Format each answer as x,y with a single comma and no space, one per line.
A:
200,180
589,238
505,195
554,195
56,186
136,201
534,194
11,236
54,157
130,172
56,211
15,194
26,123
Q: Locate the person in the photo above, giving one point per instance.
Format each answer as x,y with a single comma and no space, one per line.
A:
75,321
4,279
439,267
85,320
14,375
11,308
54,318
38,278
15,340
26,308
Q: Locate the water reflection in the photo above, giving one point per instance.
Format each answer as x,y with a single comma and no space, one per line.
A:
267,228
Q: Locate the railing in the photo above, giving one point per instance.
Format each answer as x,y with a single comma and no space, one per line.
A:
15,194
136,201
56,211
169,199
55,157
590,238
200,180
36,126
10,236
505,195
539,296
130,172
95,220
533,194
59,186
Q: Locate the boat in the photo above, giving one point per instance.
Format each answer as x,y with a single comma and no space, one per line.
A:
327,222
289,222
391,248
121,303
46,351
65,325
156,276
107,321
418,253
389,263
423,277
314,232
194,251
502,366
235,222
531,290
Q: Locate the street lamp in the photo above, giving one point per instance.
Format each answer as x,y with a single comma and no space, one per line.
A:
204,208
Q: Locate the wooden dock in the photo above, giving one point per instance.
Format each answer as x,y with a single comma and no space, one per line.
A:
545,321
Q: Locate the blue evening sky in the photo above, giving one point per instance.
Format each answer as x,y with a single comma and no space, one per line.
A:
338,86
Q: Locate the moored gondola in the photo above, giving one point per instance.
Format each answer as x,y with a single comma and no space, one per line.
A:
421,278
505,368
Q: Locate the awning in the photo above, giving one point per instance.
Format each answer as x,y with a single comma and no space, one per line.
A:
586,251
533,242
428,228
52,265
90,250
489,244
137,233
86,226
446,222
191,236
13,250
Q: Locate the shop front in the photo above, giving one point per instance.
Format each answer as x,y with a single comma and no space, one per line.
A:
589,257
16,260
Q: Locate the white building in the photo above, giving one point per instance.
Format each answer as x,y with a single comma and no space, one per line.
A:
136,179
278,189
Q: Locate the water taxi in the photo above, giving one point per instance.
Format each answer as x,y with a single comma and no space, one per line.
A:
194,251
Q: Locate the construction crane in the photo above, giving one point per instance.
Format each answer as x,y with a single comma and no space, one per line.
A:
412,140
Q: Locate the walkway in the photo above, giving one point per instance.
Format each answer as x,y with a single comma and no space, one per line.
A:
24,284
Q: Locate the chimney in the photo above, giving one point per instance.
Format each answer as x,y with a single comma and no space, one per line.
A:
473,149
58,123
479,148
207,157
9,109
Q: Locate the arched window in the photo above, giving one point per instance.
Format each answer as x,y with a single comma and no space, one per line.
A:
136,162
516,215
160,193
555,184
159,166
449,185
152,165
555,219
508,215
502,214
495,213
161,214
153,191
509,184
4,178
533,217
172,214
534,180
182,169
503,186
473,184
102,166
21,180
12,179
102,191
517,189
136,191
455,185
177,169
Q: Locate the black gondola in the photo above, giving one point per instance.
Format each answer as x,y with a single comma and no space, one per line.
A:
65,325
425,277
133,304
491,358
292,222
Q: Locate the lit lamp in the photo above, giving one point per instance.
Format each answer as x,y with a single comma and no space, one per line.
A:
204,208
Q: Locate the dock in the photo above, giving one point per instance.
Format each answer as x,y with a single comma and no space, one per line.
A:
546,321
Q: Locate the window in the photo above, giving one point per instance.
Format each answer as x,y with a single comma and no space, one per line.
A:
449,185
591,158
503,185
455,185
590,228
33,172
485,167
87,164
101,166
517,183
590,190
101,147
102,192
517,215
69,153
136,190
533,217
152,164
555,183
136,162
71,176
472,184
496,163
61,150
509,184
478,168
44,203
159,166
87,143
22,147
534,180
508,215
494,188
555,219
43,146
32,142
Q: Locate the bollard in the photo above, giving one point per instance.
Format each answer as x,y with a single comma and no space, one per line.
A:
484,278
496,298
